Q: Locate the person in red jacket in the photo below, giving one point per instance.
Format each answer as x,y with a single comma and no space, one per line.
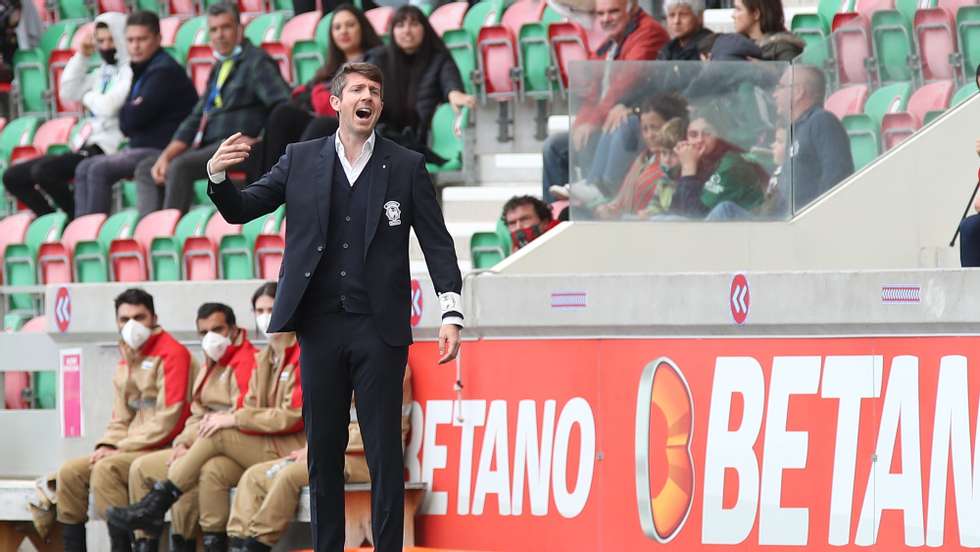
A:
632,35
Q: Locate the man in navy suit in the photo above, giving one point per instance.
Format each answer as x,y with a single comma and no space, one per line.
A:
344,288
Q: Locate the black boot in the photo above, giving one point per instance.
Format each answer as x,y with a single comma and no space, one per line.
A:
147,514
73,537
236,544
120,540
180,544
253,545
215,542
146,545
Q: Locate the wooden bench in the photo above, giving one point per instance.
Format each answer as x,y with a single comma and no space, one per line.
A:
15,517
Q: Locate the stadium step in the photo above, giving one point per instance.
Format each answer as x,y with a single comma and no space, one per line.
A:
480,203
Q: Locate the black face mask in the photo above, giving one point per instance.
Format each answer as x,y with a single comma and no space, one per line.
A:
108,56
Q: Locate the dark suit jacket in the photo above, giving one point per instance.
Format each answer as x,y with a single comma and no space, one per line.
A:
301,179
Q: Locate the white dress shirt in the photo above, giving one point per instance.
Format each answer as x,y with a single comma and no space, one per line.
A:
353,171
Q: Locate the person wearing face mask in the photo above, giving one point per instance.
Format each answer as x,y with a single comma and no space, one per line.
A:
526,217
102,92
264,423
218,389
151,397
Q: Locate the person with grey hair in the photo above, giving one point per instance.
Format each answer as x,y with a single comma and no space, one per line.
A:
685,25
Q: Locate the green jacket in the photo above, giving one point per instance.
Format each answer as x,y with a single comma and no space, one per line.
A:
736,179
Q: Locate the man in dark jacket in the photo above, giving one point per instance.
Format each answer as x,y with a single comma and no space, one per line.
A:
685,25
243,88
160,96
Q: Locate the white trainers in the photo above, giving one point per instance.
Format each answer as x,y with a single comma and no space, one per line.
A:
584,192
558,191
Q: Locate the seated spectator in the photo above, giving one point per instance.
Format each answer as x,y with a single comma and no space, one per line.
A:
308,114
663,123
102,92
160,96
669,136
685,25
21,28
244,86
526,217
763,21
820,154
774,201
632,35
419,74
712,171
144,419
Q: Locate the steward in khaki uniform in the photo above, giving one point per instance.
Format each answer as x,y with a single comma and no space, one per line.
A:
268,494
268,424
219,387
150,404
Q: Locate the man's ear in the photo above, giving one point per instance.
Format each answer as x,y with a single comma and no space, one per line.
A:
335,103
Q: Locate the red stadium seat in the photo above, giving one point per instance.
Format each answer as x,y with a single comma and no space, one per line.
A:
55,131
847,101
201,252
17,385
13,229
568,43
896,127
113,6
521,12
54,259
168,30
127,257
380,18
853,48
269,249
497,55
448,16
200,59
56,66
868,7
47,14
253,8
301,27
935,37
186,8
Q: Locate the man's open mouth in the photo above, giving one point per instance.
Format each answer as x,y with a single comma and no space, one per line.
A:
363,113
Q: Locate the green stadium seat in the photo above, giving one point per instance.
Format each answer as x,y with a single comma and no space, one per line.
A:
265,28
14,321
322,34
127,193
235,250
963,94
813,30
968,29
482,14
166,251
20,259
282,5
892,43
550,16
485,249
863,134
887,99
536,61
74,9
307,58
462,48
201,192
192,32
907,7
90,260
444,141
19,132
31,66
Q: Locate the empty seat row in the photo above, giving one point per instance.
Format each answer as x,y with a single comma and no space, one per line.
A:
28,389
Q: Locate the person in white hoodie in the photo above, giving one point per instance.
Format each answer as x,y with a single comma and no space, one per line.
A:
102,91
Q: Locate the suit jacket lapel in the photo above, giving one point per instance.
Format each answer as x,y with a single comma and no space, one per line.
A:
322,180
378,180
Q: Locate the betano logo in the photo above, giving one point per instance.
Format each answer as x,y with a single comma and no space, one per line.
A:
664,464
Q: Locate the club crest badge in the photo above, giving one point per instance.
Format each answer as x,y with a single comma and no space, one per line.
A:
394,213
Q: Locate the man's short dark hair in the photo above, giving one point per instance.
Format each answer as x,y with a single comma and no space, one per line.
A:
366,70
267,289
222,8
812,80
207,309
135,296
540,208
146,19
101,25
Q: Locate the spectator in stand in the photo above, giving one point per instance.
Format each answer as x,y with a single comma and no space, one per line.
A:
308,114
21,28
774,202
102,92
526,217
713,171
218,393
632,35
763,21
160,96
970,226
685,25
671,134
151,393
244,86
419,74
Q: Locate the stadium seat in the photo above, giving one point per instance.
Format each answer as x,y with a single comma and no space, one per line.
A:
184,8
54,258
235,251
535,57
852,48
89,262
568,43
863,135
44,11
165,250
888,99
201,252
200,59
500,74
898,126
265,28
16,385
30,66
310,54
20,259
249,8
483,14
461,48
128,257
380,18
521,12
445,143
863,129
893,47
301,27
847,101
56,66
74,9
192,32
485,249
13,229
448,16
50,133
269,249
963,94
19,132
815,33
968,31
169,27
43,392
936,44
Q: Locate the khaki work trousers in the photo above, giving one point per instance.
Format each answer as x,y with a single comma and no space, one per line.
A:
108,480
264,506
215,464
152,468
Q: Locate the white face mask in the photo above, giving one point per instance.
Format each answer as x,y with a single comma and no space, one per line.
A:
215,345
262,321
135,334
